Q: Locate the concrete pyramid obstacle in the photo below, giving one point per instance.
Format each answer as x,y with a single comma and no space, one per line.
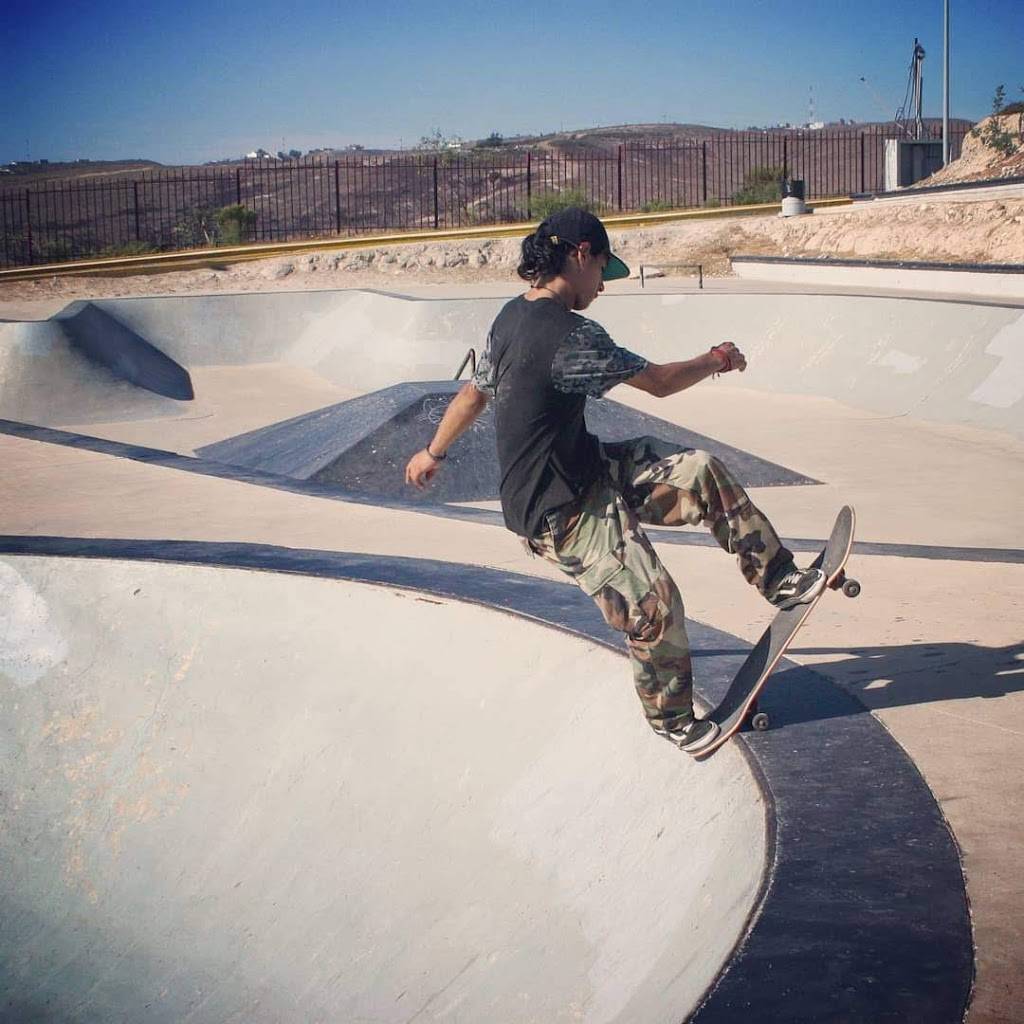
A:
362,445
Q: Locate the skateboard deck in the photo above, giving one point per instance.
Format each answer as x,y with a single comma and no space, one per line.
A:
740,701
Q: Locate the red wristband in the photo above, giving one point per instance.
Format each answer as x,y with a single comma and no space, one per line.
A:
716,350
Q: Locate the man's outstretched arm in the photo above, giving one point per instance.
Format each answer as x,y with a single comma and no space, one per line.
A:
662,380
458,418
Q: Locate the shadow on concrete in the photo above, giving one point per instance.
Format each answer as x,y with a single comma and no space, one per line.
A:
896,676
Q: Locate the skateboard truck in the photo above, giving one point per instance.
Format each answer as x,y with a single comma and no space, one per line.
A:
758,719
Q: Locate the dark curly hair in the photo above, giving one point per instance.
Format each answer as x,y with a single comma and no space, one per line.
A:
542,258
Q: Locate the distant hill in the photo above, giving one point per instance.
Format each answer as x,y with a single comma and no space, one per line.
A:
28,171
604,139
609,137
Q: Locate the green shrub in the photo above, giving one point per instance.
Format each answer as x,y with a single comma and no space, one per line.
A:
236,224
993,134
656,206
761,185
128,249
198,226
544,204
54,249
711,204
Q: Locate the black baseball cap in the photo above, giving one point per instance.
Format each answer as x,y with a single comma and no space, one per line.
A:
575,225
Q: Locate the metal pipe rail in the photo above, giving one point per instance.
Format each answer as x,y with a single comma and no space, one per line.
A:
699,267
469,358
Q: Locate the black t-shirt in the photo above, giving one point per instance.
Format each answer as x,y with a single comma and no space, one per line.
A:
540,364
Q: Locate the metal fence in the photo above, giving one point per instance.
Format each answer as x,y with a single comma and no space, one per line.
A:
268,200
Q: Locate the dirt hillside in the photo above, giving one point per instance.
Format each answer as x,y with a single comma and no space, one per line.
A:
979,162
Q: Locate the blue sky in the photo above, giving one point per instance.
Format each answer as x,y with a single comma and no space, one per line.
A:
191,81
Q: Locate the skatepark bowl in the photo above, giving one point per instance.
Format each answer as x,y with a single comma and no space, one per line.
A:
271,778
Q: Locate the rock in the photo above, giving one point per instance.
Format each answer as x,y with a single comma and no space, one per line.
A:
275,273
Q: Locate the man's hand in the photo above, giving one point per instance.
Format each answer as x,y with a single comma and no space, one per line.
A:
462,411
422,466
730,356
662,380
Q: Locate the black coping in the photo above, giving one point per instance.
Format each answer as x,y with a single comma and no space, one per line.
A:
105,340
959,186
487,517
863,916
205,467
363,444
837,261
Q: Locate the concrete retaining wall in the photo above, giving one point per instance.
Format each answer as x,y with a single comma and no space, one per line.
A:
956,362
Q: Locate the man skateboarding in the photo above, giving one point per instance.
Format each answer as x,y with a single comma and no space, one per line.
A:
580,503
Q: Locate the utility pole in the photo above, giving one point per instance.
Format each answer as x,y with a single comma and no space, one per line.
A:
945,82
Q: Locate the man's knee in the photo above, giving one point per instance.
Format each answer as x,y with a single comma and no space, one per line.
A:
646,628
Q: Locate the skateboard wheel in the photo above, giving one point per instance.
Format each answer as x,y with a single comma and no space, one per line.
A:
760,721
851,588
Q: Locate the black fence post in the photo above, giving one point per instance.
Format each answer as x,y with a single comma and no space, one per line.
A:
337,196
863,187
436,207
238,186
529,185
620,178
704,169
138,234
785,156
28,225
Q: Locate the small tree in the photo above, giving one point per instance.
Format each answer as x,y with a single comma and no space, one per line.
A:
435,140
236,224
993,134
761,185
493,141
546,203
197,226
295,153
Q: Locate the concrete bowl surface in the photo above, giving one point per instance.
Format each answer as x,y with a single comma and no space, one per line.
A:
246,784
230,795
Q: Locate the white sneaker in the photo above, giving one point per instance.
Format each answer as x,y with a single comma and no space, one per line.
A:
798,586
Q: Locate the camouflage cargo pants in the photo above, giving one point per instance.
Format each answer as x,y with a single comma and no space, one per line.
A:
601,545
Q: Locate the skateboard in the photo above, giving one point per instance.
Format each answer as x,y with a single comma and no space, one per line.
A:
739,705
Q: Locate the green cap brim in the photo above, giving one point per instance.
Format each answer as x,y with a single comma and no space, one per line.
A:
616,269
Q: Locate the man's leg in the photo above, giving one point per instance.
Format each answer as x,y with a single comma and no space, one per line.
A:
669,486
607,554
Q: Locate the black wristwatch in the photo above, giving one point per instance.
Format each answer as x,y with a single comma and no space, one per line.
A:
436,458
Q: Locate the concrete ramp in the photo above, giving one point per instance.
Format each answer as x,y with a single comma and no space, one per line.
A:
45,378
254,796
106,341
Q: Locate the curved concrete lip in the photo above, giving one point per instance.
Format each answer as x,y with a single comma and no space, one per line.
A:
862,915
